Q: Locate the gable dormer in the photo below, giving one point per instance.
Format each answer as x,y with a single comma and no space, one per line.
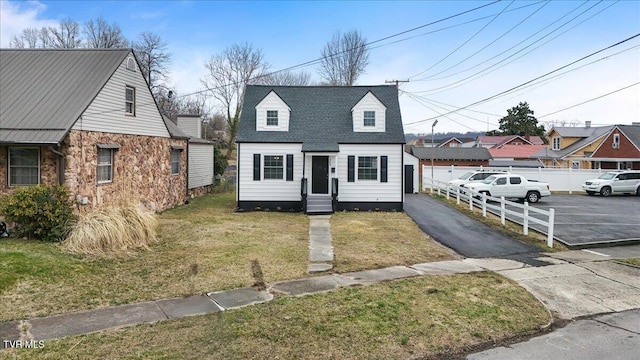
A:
369,114
272,113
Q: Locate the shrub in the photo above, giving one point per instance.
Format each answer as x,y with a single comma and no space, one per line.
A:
112,230
40,212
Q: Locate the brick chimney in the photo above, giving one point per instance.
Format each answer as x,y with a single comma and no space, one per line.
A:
587,124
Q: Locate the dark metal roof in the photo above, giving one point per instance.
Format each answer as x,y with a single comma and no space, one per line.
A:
43,92
632,132
453,153
321,115
174,130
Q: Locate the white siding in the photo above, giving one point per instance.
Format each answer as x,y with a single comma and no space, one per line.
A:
369,103
272,102
371,190
268,190
107,111
200,165
190,125
412,160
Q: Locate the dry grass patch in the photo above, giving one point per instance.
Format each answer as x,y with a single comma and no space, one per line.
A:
633,261
112,231
396,320
367,240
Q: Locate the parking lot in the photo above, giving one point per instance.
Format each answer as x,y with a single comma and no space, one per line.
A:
587,221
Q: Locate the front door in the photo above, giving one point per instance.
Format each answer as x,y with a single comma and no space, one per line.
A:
319,174
408,179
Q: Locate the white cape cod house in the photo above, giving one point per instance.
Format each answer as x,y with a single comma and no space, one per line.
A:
320,149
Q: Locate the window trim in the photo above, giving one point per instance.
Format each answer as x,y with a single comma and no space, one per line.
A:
377,168
282,167
364,118
179,152
616,141
554,147
9,184
111,153
276,118
133,101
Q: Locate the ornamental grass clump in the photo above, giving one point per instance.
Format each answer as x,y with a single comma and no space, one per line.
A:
112,231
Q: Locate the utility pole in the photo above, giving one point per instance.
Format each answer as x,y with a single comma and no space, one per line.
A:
396,82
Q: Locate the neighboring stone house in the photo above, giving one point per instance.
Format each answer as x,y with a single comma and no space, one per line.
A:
320,149
86,118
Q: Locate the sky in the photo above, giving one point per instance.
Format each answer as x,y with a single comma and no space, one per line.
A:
467,62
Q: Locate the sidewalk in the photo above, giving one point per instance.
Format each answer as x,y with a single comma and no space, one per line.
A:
577,284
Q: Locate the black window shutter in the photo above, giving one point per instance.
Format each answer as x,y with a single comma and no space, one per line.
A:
383,168
351,168
289,167
256,167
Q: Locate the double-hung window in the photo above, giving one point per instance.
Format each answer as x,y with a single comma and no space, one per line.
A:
130,100
273,167
370,118
272,117
24,166
367,168
105,165
175,161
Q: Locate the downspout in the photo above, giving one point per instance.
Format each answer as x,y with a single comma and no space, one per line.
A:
60,164
186,186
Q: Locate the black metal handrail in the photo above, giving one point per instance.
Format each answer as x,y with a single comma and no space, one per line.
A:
303,193
334,194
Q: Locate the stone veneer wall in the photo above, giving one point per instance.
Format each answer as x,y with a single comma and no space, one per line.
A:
141,169
200,190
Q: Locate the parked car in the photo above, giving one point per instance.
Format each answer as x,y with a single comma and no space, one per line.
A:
614,182
511,186
472,176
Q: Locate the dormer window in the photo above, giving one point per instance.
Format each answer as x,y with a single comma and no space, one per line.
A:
272,117
556,143
370,118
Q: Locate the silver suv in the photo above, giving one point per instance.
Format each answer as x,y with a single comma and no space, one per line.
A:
472,176
614,182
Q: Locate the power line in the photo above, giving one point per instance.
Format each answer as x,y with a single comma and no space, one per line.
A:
311,62
532,80
590,100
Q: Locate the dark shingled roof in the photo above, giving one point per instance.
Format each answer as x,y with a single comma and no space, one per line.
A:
453,153
43,92
321,116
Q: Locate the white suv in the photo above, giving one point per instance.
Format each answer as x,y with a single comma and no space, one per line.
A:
614,182
472,176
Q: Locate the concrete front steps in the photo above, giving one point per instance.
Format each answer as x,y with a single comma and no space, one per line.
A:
319,205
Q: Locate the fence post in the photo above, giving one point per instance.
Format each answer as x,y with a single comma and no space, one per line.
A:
470,201
570,181
502,212
484,204
525,219
458,196
448,192
431,185
552,213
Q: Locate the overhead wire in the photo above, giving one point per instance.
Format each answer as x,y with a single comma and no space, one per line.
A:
590,100
534,79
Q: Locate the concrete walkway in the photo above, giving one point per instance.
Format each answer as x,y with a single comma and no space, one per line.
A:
320,248
577,285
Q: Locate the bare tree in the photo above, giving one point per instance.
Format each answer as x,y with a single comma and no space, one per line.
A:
154,59
344,58
285,78
102,35
229,74
65,36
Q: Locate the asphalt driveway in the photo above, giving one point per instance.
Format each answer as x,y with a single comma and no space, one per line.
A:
463,234
583,221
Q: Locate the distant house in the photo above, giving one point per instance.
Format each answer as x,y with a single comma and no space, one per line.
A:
452,156
497,141
572,147
619,149
516,155
87,119
320,148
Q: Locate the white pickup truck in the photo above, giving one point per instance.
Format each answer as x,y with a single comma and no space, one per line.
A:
511,186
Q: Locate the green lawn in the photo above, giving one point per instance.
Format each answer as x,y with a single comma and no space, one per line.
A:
395,320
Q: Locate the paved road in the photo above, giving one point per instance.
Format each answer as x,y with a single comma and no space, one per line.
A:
613,336
463,234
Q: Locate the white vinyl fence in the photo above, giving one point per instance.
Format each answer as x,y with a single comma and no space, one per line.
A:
559,179
521,214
